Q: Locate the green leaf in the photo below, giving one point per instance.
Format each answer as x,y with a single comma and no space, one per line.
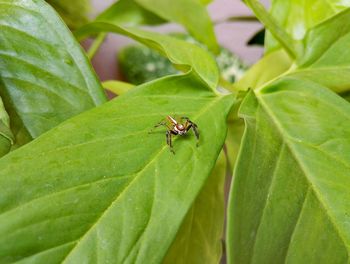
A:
74,13
289,202
276,30
100,188
323,59
44,76
189,13
298,16
128,12
123,12
185,56
199,239
326,59
117,87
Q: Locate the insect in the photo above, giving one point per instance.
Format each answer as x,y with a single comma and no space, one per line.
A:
175,128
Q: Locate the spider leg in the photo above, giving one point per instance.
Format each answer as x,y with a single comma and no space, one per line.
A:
162,123
169,141
193,126
195,130
185,118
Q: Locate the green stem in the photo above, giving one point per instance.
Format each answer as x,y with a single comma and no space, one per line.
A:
279,33
96,45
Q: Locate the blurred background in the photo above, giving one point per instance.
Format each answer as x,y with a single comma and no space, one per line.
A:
231,35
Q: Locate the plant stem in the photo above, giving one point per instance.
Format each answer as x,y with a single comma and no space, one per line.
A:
96,45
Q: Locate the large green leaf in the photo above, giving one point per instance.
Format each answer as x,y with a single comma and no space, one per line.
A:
199,239
74,13
185,56
192,14
325,59
291,193
128,12
100,188
44,76
298,16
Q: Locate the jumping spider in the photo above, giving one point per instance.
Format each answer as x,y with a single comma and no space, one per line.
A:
177,128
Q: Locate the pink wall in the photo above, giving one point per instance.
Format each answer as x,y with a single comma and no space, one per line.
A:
231,35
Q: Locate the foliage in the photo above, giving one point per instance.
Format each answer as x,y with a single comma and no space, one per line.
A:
99,185
50,68
139,64
74,13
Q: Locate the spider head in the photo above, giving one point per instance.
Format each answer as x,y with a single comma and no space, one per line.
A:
180,127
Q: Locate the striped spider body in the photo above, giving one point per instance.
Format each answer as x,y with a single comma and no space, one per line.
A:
175,128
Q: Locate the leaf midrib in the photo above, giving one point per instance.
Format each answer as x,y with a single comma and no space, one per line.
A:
316,68
297,223
44,251
267,201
